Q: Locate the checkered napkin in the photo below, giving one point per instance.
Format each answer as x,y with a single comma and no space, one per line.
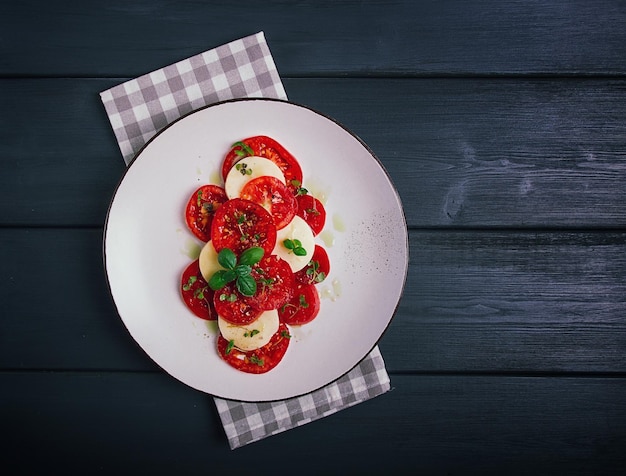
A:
137,110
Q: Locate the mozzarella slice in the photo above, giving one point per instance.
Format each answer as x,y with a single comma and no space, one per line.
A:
208,261
247,169
251,336
297,229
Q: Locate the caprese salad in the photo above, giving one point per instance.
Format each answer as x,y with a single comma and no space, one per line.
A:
259,267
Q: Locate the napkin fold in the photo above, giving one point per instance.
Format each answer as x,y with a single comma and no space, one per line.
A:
137,110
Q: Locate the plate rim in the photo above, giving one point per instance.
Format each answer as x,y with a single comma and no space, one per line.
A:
290,104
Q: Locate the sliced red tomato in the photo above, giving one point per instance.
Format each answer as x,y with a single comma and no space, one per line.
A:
201,208
233,307
312,211
267,147
275,283
241,224
256,361
303,306
317,270
274,196
196,293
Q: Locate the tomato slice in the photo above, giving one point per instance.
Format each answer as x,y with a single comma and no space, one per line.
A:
241,224
311,210
196,293
201,208
264,146
233,307
303,306
317,270
274,196
275,283
256,361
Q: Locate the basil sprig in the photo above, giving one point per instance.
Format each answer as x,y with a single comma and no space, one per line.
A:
294,246
237,270
244,149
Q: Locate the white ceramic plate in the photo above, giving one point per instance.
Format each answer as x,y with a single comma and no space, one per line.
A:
147,246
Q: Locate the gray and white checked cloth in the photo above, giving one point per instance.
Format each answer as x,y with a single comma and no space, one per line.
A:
137,110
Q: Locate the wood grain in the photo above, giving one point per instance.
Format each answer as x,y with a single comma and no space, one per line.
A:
462,153
511,301
60,38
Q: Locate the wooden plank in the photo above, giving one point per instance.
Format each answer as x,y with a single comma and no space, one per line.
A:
480,302
492,153
56,307
512,302
62,38
119,423
462,153
59,162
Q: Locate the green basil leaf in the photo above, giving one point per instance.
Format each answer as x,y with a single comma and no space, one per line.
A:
245,147
288,244
218,280
246,285
299,252
251,256
227,259
229,347
242,270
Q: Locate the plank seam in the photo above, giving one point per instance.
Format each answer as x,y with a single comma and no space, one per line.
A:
399,373
572,75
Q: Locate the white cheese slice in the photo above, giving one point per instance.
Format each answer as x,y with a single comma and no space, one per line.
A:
297,229
251,336
247,169
208,261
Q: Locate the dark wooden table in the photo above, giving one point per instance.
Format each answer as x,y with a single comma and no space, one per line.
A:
503,126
